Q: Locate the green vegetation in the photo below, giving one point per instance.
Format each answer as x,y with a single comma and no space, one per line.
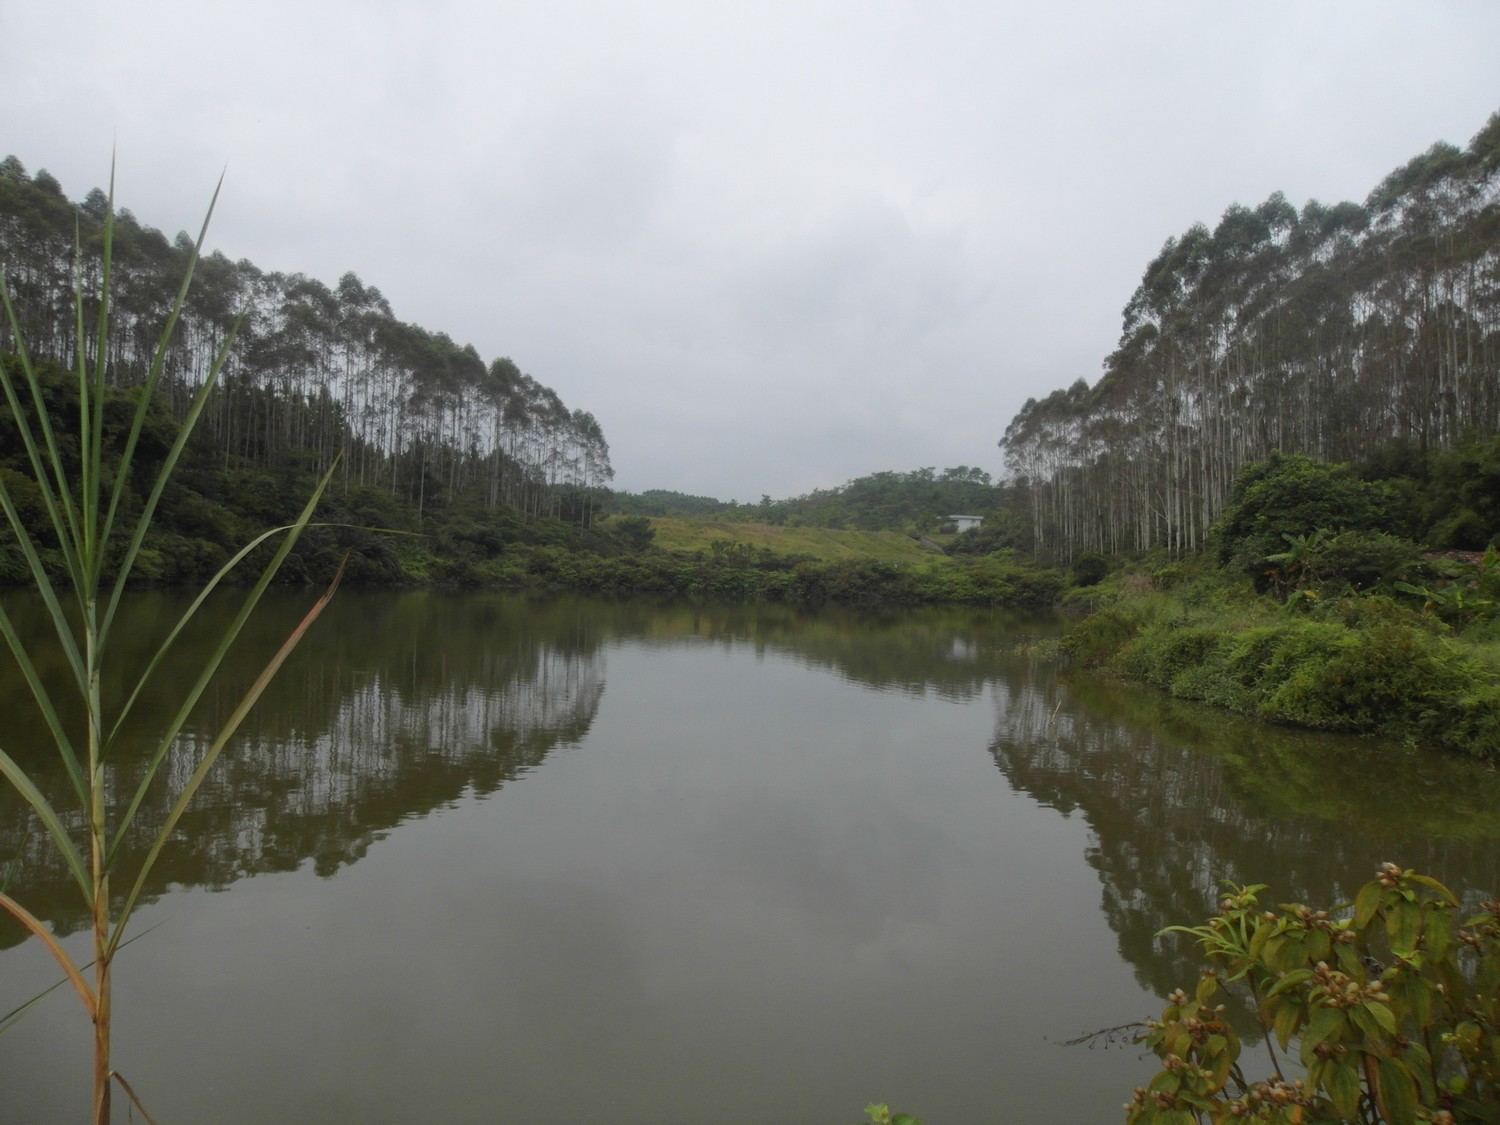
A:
921,500
881,1115
213,504
84,484
665,502
737,571
1392,1008
1316,618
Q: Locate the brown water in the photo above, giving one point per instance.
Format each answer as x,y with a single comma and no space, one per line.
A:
476,859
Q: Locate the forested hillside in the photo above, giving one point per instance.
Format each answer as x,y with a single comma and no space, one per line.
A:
312,370
1324,331
918,500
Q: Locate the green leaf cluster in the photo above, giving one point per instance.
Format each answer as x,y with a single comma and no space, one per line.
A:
1389,1005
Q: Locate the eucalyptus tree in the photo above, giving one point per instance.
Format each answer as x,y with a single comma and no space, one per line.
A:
312,371
1320,332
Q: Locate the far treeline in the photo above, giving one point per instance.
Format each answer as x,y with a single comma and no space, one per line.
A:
919,500
312,372
1324,331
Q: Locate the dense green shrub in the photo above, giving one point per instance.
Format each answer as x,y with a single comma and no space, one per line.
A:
1090,569
1360,664
1463,496
1361,560
1099,637
1287,497
1392,1010
1367,679
635,532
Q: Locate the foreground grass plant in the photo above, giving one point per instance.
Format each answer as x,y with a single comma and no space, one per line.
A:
84,499
1385,1011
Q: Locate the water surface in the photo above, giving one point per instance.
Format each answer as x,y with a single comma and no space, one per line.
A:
579,861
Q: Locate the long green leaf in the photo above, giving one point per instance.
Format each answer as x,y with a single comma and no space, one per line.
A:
60,624
197,603
44,704
212,753
226,641
153,374
12,1017
148,512
84,538
50,821
63,525
91,439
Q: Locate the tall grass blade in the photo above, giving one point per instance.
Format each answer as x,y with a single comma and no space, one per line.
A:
188,614
50,821
43,584
197,603
13,1017
130,1093
75,978
80,334
44,704
93,436
59,512
184,432
84,527
153,374
211,755
226,641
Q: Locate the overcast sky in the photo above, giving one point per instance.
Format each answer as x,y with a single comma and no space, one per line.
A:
771,246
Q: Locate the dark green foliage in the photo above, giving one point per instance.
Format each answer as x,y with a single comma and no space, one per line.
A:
920,500
1390,1008
1361,664
634,531
1097,638
1089,569
1362,560
665,502
1332,564
1462,502
739,572
1287,498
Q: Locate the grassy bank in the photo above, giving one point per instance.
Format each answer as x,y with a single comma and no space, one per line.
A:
825,544
1392,658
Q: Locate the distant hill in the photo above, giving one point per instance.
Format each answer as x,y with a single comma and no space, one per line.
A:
919,500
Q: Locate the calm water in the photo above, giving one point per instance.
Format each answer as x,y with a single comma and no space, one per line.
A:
477,858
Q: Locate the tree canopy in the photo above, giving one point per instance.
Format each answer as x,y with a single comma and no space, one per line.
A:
313,370
1323,331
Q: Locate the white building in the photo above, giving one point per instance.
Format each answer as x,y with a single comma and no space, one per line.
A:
965,523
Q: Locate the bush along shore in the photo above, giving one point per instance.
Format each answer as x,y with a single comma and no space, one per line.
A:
1306,612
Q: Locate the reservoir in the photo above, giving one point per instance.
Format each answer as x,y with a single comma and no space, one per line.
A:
475,857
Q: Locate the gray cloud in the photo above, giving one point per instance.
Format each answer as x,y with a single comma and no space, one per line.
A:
770,247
